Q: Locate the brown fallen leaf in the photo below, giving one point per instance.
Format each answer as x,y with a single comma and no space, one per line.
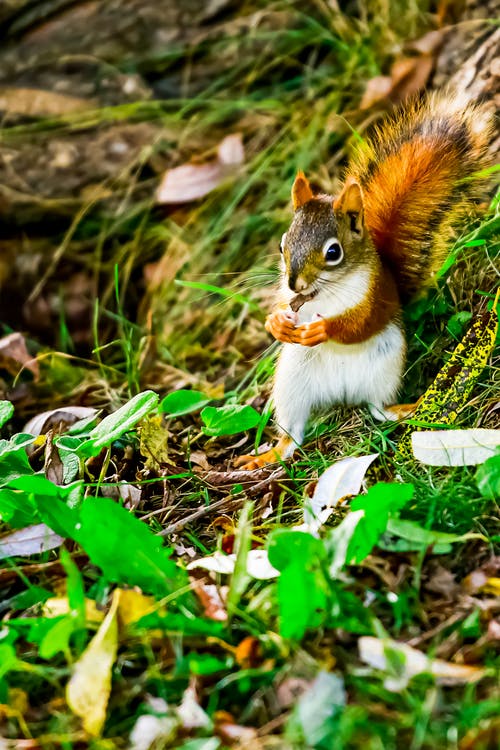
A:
210,598
14,356
57,419
192,181
40,103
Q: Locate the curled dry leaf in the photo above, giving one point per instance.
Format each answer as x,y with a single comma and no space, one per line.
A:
192,181
455,447
14,356
190,712
384,653
89,687
31,540
65,416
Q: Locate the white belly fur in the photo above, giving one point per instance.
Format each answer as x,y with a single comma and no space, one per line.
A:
313,377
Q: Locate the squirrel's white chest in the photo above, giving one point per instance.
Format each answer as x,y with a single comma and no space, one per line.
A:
331,373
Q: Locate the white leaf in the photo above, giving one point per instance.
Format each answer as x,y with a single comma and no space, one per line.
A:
216,563
339,539
230,151
29,541
152,731
410,662
455,447
258,565
191,713
342,479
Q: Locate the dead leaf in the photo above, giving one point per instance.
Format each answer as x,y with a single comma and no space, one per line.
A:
341,480
404,662
58,419
39,103
455,447
59,605
89,688
192,181
133,605
14,356
154,442
209,595
258,565
32,540
191,713
248,652
153,731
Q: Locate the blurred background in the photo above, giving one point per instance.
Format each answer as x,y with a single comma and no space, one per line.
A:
147,150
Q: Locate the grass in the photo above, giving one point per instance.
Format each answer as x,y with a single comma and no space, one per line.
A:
280,668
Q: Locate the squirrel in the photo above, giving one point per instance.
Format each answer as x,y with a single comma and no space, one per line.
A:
351,262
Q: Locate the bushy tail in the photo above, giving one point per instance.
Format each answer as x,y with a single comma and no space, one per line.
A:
414,175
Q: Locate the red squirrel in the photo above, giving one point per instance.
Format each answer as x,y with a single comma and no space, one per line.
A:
350,263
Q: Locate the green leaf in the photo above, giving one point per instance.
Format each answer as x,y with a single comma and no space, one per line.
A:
125,549
381,500
117,424
413,532
240,577
302,587
488,478
8,659
17,509
6,411
57,637
183,402
13,458
229,419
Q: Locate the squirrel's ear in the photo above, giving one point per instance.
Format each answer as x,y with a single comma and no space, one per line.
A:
350,203
301,191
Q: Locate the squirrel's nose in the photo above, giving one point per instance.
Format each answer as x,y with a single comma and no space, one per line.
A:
297,283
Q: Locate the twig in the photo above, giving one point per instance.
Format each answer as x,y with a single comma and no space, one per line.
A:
235,501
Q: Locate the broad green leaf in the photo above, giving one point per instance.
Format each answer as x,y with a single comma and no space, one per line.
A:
13,458
6,411
302,587
117,424
125,548
56,639
183,402
378,504
229,419
8,658
488,478
54,504
17,509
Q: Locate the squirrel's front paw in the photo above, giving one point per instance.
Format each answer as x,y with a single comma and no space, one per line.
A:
311,334
281,325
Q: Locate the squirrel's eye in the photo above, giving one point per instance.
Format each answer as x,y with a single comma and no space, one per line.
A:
332,250
282,243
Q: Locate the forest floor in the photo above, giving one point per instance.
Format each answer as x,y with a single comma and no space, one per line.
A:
152,595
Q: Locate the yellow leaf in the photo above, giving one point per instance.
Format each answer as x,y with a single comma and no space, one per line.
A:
89,688
133,605
59,605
